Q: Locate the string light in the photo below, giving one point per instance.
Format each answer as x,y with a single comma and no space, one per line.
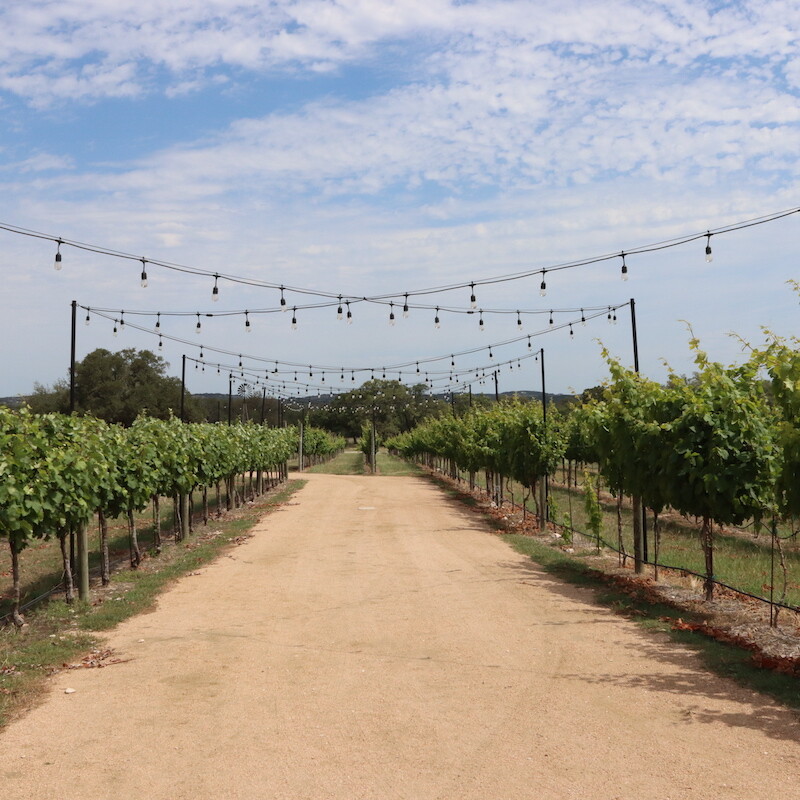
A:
624,267
158,321
215,290
709,255
405,307
571,332
161,344
86,321
583,319
247,328
283,301
198,327
121,320
57,264
543,284
480,321
294,318
551,316
349,313
115,327
144,274
391,314
519,321
339,310
473,304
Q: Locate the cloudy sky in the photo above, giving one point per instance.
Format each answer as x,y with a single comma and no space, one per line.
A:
370,147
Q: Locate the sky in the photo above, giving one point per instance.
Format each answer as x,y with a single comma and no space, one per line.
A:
377,147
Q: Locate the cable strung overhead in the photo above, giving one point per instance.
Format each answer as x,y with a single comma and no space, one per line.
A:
119,322
351,297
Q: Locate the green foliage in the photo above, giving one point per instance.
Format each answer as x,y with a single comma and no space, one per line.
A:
509,439
594,512
56,470
118,387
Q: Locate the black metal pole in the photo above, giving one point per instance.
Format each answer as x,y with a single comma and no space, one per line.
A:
183,387
496,390
453,402
72,359
636,369
230,399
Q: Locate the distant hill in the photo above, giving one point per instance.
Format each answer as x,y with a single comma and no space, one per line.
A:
11,402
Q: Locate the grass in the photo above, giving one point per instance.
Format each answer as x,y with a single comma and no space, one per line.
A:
348,462
632,599
353,462
58,633
392,465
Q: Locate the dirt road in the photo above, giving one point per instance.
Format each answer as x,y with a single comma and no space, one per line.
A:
372,641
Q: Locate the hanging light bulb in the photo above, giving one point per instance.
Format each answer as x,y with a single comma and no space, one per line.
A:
551,316
352,377
57,263
294,318
436,322
115,328
452,360
158,321
583,319
614,317
144,274
247,328
519,321
283,301
240,362
215,290
121,321
349,313
201,351
405,307
339,309
624,272
543,284
480,320
529,343
608,316
709,255
491,355
571,332
472,302
86,321
417,367
198,327
160,343
391,314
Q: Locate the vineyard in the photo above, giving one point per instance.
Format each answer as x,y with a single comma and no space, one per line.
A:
59,472
673,467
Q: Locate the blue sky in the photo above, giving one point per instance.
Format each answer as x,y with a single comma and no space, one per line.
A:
366,147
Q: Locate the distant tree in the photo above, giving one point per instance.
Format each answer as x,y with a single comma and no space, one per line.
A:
117,387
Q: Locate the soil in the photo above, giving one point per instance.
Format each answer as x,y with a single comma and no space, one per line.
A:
374,641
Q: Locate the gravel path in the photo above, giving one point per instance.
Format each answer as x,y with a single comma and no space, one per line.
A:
373,641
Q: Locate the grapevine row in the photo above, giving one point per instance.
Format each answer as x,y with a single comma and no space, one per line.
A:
57,471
